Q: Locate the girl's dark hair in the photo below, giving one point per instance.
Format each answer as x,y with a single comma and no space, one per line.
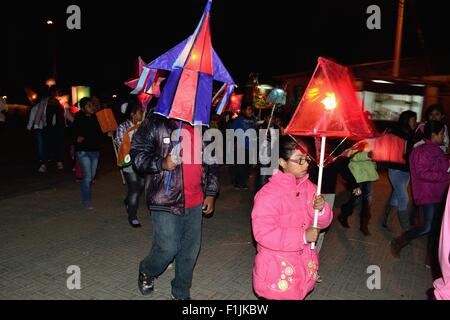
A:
133,107
403,120
434,107
53,90
244,107
288,146
433,127
83,102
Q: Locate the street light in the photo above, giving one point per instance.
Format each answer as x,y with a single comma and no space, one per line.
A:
50,82
49,22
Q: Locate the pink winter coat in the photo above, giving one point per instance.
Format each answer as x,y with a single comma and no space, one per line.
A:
285,267
429,176
442,285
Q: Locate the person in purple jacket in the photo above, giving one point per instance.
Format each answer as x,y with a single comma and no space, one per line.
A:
430,178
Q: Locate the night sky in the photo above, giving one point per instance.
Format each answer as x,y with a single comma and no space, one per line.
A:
269,37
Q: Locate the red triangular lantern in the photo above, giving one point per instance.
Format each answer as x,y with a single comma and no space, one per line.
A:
330,106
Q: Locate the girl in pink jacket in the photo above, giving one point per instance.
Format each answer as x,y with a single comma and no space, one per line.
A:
283,214
442,285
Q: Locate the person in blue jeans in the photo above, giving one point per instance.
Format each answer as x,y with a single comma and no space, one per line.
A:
87,137
430,180
399,174
176,210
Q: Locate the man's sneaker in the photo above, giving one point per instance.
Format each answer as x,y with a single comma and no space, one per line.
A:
173,298
135,223
343,221
88,205
60,166
42,168
146,284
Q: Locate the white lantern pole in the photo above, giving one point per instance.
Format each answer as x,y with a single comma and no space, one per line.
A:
319,184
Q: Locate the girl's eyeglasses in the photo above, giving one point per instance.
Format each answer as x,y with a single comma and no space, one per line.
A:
301,160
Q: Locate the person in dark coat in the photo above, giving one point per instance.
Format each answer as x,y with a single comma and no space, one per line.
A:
176,209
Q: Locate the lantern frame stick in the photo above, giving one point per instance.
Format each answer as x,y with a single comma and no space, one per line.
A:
117,155
335,149
169,178
273,109
219,92
271,117
319,184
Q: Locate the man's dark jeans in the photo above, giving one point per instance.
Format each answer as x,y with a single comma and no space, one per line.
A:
175,238
41,144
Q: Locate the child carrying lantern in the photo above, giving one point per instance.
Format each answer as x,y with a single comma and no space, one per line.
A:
328,109
282,218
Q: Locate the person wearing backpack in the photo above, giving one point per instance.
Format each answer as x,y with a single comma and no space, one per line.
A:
135,181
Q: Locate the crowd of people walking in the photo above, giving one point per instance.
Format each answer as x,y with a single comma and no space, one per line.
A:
179,192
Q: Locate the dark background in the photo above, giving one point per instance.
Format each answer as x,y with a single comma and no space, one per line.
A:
268,37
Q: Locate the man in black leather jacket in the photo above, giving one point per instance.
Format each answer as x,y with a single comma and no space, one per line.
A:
176,212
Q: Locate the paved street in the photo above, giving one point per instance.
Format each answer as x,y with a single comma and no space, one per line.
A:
372,70
43,231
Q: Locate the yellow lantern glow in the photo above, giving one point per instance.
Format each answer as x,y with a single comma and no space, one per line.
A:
330,101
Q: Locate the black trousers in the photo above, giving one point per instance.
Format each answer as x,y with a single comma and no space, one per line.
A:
136,185
241,170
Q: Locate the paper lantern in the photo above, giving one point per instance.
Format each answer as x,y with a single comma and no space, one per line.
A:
388,148
64,101
260,96
123,154
193,65
235,103
106,120
330,106
79,93
31,95
277,96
